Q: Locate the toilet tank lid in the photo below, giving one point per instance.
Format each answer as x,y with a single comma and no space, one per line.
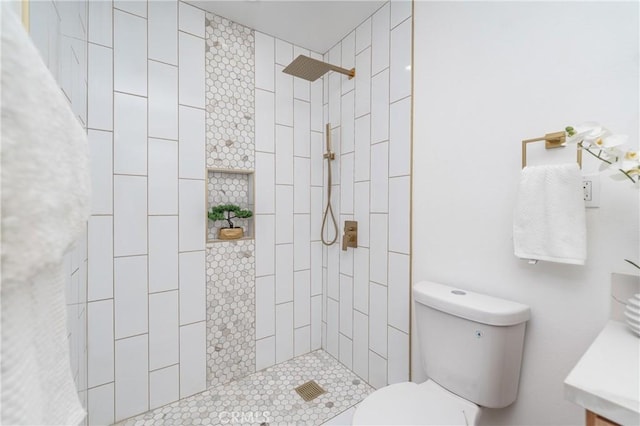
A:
472,306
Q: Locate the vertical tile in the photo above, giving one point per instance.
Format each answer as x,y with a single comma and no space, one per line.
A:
163,330
101,152
361,280
362,148
398,361
348,59
284,52
302,298
265,119
191,86
378,319
163,177
380,107
100,247
301,185
284,155
132,377
101,404
164,386
163,100
265,183
284,273
301,242
301,87
192,141
361,212
316,104
192,287
129,53
265,241
347,123
316,213
337,149
301,341
363,83
363,36
335,80
316,322
346,305
399,291
317,160
265,307
377,370
316,268
346,352
332,328
191,19
100,87
301,127
380,40
192,210
284,213
100,342
129,215
130,134
400,62
283,97
284,332
361,345
130,296
265,353
163,253
135,7
193,366
346,183
333,271
399,214
163,31
400,138
400,10
378,249
100,29
265,62
380,178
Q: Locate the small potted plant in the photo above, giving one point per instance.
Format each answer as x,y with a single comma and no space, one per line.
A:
228,212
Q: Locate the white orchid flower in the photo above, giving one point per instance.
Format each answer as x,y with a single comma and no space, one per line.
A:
589,131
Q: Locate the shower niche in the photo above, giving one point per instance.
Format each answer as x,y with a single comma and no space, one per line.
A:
236,187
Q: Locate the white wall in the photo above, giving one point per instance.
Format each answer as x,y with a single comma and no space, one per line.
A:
366,289
146,316
488,75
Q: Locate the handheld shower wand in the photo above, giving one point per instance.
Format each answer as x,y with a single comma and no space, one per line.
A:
330,156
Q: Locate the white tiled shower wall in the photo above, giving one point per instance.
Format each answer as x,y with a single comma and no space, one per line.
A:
365,322
288,205
146,293
59,31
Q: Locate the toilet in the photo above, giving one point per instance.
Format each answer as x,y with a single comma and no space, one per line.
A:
471,348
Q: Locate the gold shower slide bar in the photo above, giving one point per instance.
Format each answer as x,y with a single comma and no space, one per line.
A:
551,140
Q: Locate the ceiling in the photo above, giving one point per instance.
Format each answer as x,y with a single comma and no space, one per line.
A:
312,24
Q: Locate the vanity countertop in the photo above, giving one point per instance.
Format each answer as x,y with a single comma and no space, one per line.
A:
606,380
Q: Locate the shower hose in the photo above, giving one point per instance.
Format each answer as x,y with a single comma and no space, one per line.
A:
329,210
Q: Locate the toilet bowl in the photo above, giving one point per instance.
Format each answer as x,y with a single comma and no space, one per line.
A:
471,349
409,403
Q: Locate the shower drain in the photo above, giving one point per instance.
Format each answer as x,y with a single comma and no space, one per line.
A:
310,390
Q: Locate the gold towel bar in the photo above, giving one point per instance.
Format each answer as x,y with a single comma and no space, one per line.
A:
551,140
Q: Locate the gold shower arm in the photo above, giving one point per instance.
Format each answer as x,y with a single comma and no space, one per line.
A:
350,73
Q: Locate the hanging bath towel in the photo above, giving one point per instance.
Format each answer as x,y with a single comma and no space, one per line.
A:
45,205
549,220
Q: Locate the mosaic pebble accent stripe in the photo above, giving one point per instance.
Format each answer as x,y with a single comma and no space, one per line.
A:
267,396
230,124
231,310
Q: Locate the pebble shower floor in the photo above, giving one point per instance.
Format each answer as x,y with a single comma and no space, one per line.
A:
267,397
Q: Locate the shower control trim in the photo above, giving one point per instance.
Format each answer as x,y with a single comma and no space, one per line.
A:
350,237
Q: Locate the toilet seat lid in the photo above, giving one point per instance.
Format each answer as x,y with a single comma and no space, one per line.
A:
415,404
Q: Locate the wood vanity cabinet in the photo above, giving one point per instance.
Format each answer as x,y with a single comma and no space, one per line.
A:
595,420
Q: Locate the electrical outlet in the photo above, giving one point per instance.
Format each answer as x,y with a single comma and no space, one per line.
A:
591,190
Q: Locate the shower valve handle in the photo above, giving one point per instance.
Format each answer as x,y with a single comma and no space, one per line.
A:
350,237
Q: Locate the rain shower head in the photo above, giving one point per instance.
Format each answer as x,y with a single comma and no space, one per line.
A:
312,69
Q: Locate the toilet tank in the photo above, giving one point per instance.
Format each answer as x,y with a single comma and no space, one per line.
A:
471,344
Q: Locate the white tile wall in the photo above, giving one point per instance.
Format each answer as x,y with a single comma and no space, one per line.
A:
380,178
283,97
129,53
380,40
361,280
380,107
192,143
265,242
136,7
164,386
265,306
301,242
100,29
377,370
284,213
400,10
265,352
265,61
399,292
302,340
163,177
130,134
346,305
302,185
131,376
284,332
129,215
361,344
398,361
400,65
400,138
363,36
284,273
284,52
100,87
192,211
163,100
100,342
191,70
193,362
284,155
302,298
163,331
191,19
163,253
101,151
101,405
163,31
265,114
130,296
192,287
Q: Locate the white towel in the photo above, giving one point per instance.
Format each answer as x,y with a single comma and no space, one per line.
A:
45,205
549,220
